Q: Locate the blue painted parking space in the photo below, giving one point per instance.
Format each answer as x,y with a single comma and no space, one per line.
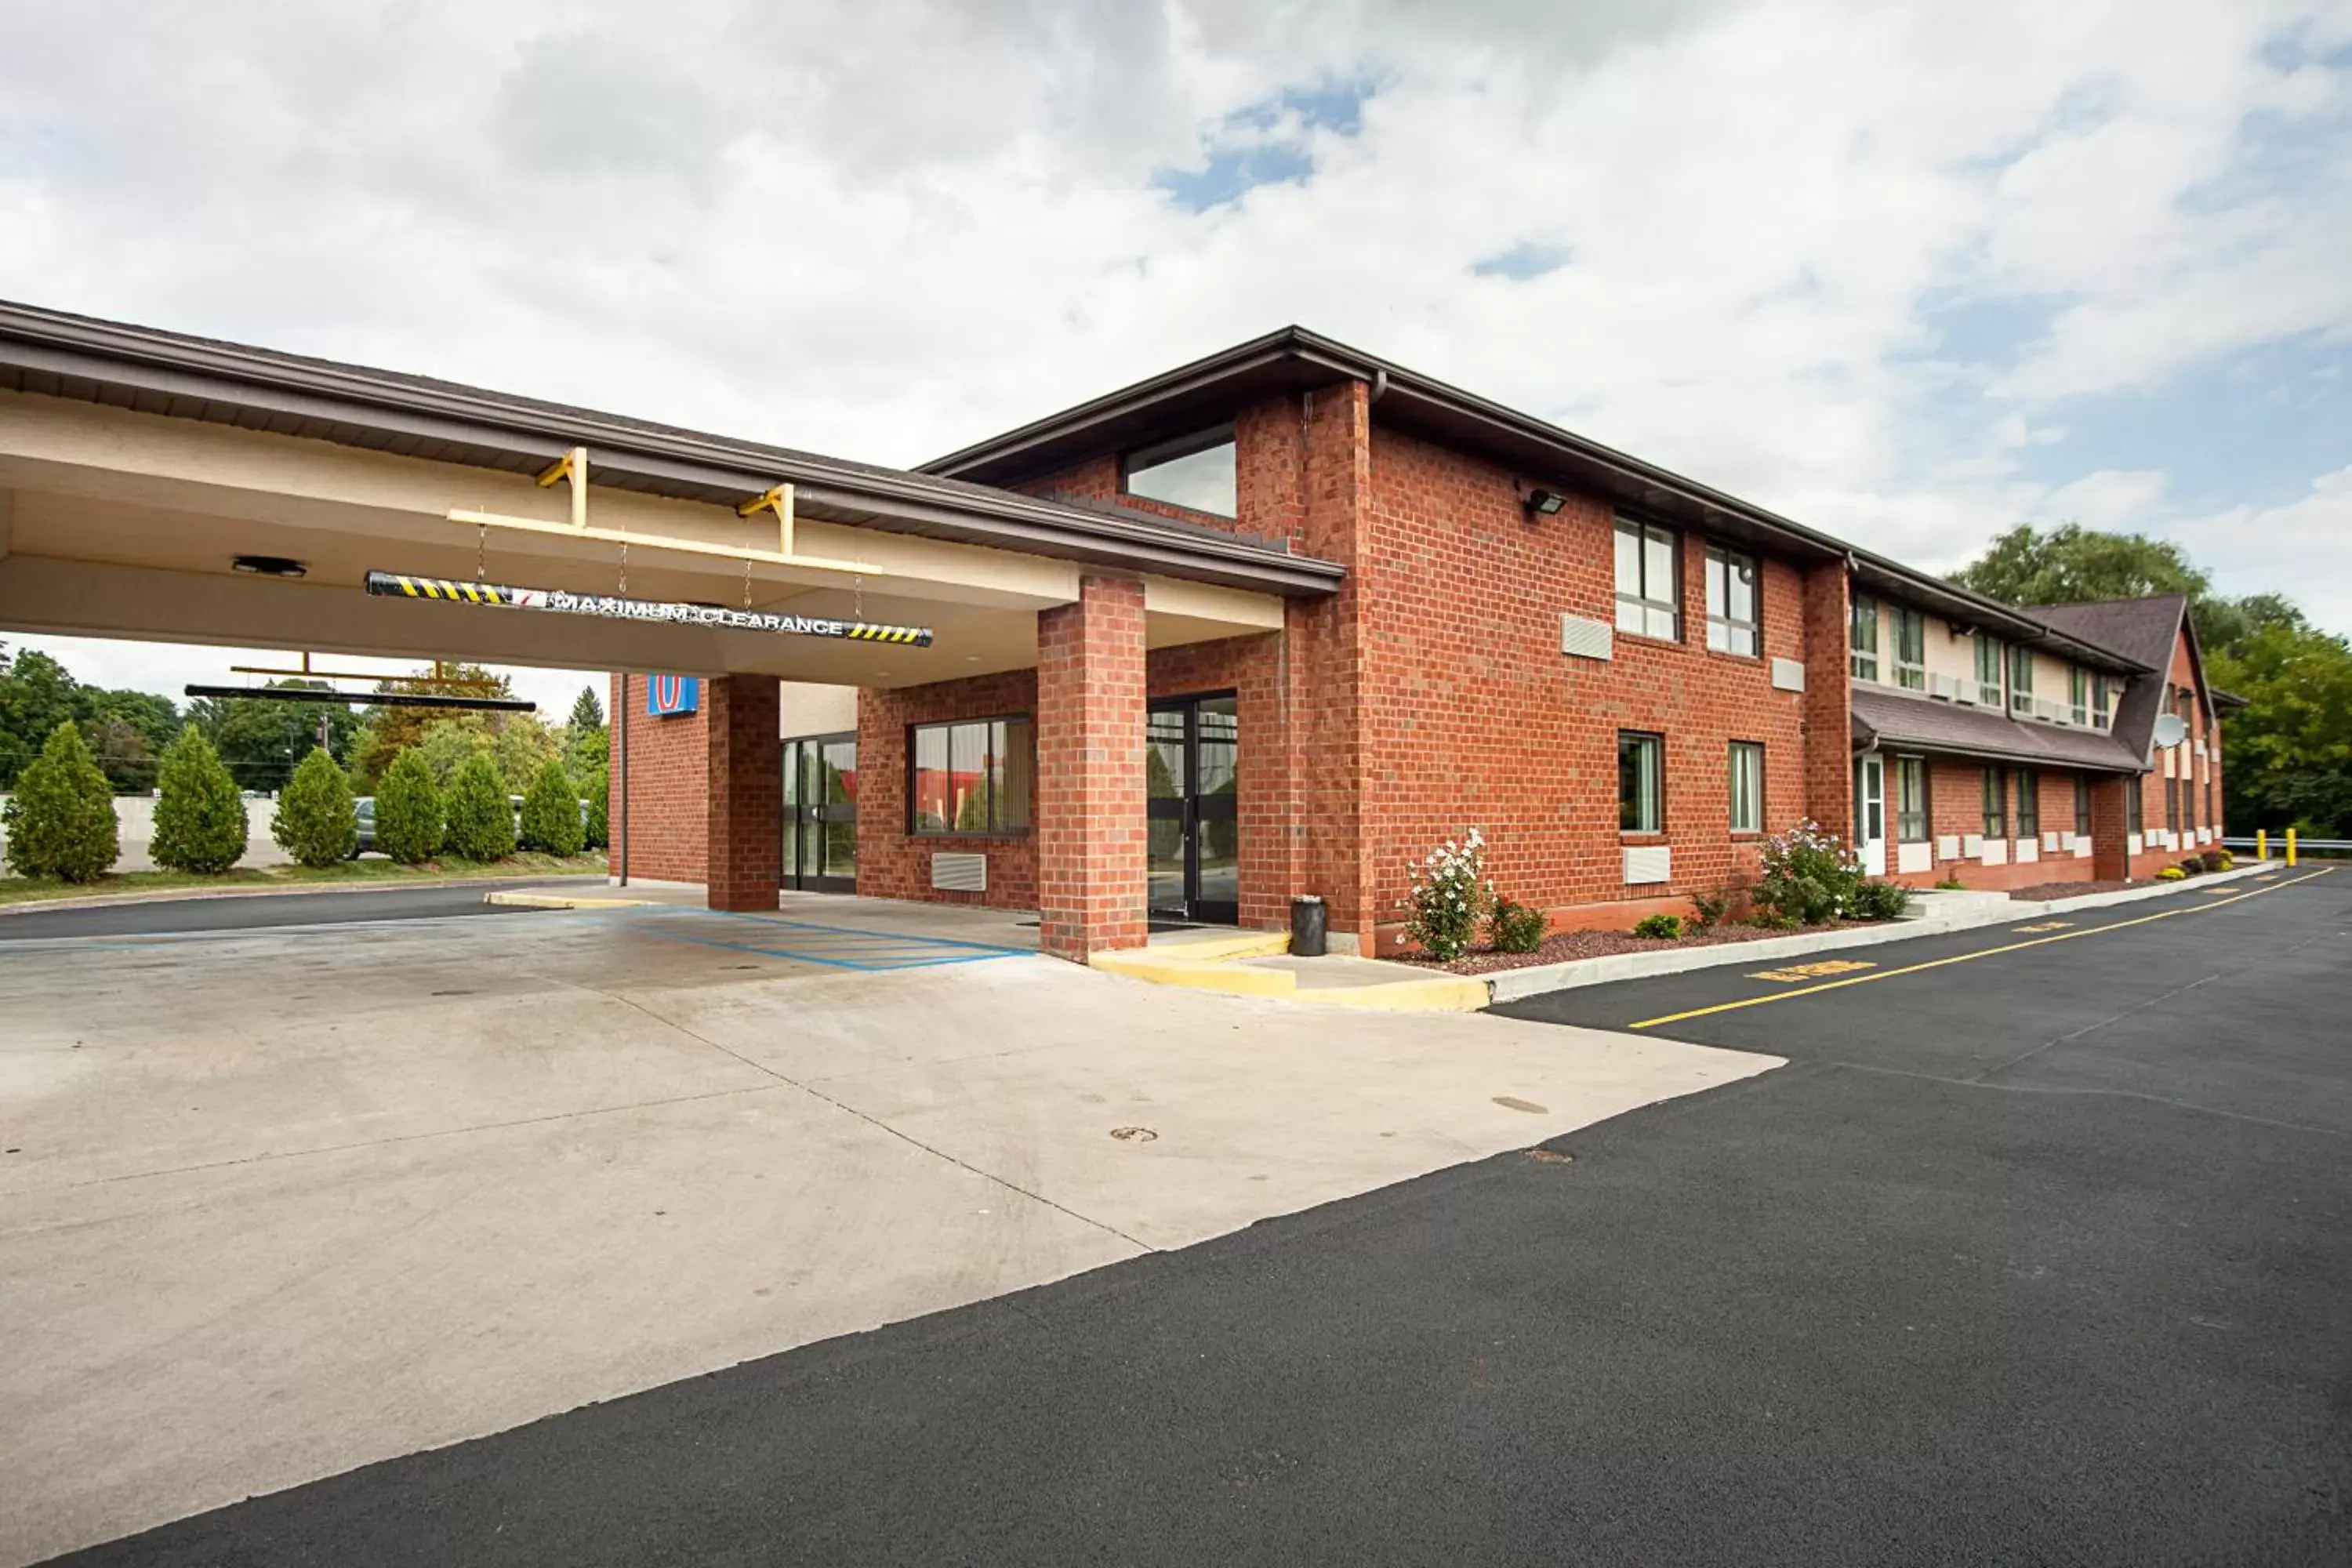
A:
808,941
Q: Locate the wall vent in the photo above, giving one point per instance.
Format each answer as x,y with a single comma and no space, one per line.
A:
1646,863
958,873
1583,638
1947,687
1788,675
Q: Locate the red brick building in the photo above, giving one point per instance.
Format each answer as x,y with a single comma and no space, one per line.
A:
1624,678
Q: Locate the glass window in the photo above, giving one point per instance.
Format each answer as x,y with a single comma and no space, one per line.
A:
1746,788
2021,680
1910,648
974,777
1911,799
1996,804
2078,693
2135,803
1197,473
1988,662
1649,596
1862,638
2028,803
2102,701
1731,617
2172,805
2081,805
1641,783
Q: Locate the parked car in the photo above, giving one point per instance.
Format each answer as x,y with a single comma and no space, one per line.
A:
363,810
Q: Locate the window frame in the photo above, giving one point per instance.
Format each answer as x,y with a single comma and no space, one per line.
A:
980,722
2135,806
1993,817
1910,674
1914,766
1720,560
2103,702
1993,693
2020,678
1734,752
2028,790
1176,450
1857,655
2083,803
2078,694
1656,743
1640,602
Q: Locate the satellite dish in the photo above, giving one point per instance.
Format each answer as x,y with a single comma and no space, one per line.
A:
2170,730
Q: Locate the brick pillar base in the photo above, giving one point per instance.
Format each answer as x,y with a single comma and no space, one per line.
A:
745,854
2110,852
1090,807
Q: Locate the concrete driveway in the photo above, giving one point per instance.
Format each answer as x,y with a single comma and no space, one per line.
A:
278,1203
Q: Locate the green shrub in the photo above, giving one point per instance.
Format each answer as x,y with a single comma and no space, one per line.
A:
2214,860
1708,910
2229,863
1772,920
1449,898
315,821
1514,926
2192,867
551,812
597,832
408,810
1950,885
1808,876
480,824
1663,928
61,822
2170,874
200,822
1879,901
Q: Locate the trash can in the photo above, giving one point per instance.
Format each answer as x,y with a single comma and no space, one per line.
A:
1307,926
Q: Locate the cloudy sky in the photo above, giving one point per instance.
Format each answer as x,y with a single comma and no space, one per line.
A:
1911,273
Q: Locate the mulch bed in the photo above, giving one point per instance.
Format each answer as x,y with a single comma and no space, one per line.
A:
1574,945
2041,892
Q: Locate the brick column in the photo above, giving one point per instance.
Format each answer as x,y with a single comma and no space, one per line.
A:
2110,857
1090,829
1829,726
747,793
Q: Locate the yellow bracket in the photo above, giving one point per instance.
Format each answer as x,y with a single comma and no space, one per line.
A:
779,502
573,466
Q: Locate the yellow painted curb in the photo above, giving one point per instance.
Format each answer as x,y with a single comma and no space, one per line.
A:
1246,944
1452,993
1208,974
564,901
1157,966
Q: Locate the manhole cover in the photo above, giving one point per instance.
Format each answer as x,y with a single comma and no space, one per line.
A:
1133,1134
1550,1157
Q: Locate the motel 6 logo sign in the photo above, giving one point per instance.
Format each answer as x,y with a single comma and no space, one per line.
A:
669,696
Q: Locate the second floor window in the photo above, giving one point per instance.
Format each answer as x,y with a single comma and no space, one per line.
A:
2103,700
1863,638
2021,680
1649,593
1196,471
1731,619
1989,659
2078,694
1910,648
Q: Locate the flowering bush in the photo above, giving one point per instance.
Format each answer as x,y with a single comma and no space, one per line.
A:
1449,898
1809,876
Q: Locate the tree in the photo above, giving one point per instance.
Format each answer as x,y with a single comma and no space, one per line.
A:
551,812
409,816
596,833
200,821
315,822
388,728
480,820
122,752
61,822
261,739
587,713
36,695
2070,564
2289,754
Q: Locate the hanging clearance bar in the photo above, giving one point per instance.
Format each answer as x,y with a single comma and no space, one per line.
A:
611,607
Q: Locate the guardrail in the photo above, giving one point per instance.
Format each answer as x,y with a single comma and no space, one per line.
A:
2289,846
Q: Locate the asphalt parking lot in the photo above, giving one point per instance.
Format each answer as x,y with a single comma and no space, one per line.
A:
280,1200
2033,1258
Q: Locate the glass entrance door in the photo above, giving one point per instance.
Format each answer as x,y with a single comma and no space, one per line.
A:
820,844
1192,749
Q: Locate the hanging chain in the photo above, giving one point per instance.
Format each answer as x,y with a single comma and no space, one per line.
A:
481,552
623,589
857,599
747,561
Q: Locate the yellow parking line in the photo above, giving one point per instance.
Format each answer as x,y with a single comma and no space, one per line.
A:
1965,957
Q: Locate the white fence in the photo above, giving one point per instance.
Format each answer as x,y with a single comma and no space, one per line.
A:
134,826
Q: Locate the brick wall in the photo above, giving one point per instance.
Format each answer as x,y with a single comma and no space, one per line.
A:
1252,669
744,777
1090,828
894,864
1956,808
2183,674
668,765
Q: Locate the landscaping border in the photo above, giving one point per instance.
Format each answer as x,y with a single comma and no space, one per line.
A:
1534,980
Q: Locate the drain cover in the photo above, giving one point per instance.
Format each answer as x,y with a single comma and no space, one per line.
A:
1133,1134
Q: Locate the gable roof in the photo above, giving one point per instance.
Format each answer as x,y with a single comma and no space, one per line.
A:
1294,360
60,354
2143,628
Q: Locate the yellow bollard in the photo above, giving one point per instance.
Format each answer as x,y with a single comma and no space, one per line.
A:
2261,842
2290,846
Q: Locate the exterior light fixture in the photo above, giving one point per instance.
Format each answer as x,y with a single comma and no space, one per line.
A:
269,566
1537,501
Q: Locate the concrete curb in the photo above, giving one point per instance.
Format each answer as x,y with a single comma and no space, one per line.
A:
1215,963
1511,984
379,885
565,902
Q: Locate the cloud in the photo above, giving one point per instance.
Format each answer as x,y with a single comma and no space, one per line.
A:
2303,548
1867,264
